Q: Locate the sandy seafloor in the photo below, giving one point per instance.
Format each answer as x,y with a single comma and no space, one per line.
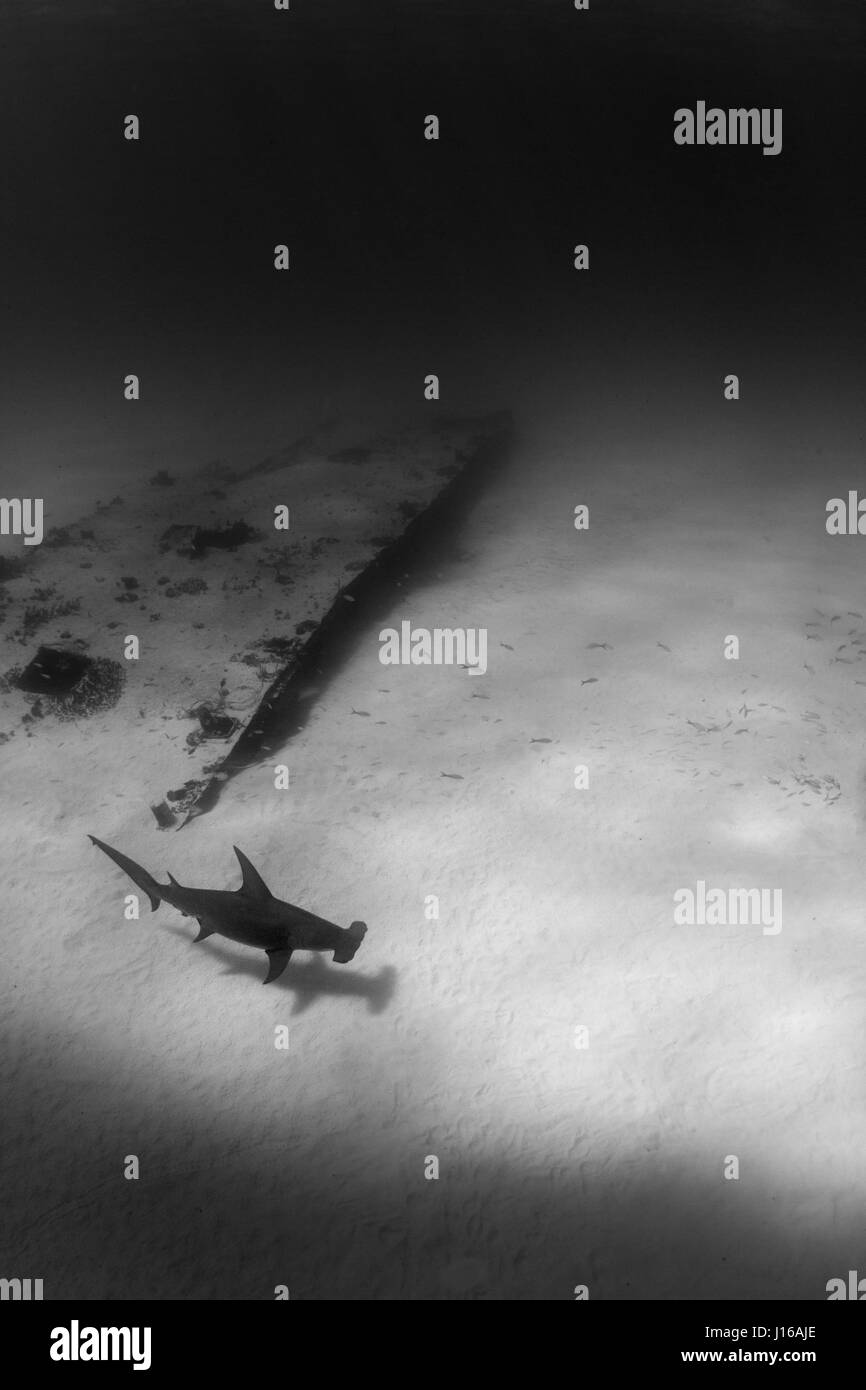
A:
454,1037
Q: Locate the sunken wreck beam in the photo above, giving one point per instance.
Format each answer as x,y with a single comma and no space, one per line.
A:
421,547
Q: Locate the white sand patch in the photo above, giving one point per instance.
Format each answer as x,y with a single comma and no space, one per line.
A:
456,1037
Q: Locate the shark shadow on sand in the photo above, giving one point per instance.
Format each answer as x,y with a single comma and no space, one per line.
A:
314,979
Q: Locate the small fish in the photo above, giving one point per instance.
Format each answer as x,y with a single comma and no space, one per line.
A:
605,646
456,776
590,680
663,647
541,740
364,712
506,646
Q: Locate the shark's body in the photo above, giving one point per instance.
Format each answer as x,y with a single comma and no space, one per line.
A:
251,915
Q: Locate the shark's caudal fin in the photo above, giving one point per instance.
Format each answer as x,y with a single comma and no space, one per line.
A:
138,875
352,940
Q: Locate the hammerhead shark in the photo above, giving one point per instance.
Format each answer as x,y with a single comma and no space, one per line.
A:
251,915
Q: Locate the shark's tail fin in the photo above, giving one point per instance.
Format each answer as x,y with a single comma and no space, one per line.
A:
138,875
352,940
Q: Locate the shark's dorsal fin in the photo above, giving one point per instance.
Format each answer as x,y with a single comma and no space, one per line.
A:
172,879
253,883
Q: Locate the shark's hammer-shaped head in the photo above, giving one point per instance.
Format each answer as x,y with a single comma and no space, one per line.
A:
354,936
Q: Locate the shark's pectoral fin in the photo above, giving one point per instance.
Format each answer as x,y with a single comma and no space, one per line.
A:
204,930
277,962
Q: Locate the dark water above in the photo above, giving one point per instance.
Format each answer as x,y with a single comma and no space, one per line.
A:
261,127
